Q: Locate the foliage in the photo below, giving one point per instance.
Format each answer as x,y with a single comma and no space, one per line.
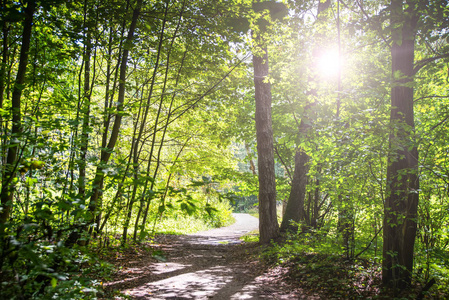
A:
119,110
315,260
133,117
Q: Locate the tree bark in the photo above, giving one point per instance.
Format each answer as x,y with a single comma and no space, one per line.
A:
268,225
401,203
8,185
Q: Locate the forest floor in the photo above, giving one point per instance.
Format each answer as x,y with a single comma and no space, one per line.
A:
217,264
213,264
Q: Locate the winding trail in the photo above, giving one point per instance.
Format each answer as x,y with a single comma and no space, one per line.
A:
244,224
212,264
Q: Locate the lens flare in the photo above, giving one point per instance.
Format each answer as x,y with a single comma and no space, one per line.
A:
329,63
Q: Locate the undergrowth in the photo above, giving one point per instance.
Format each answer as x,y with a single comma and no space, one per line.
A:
316,264
175,222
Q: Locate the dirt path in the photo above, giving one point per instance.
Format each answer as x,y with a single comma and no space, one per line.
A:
212,264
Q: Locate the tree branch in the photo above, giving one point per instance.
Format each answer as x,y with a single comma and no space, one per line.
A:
283,163
426,97
422,63
370,243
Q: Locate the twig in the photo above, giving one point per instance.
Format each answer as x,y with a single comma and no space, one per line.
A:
370,243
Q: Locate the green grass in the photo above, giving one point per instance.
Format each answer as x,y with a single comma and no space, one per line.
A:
182,224
251,237
253,212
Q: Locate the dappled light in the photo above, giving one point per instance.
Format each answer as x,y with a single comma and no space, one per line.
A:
208,265
263,149
195,285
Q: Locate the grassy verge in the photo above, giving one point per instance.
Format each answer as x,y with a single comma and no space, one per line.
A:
314,264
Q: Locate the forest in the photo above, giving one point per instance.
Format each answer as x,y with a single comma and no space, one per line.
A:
121,120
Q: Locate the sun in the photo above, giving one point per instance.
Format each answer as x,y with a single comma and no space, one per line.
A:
329,63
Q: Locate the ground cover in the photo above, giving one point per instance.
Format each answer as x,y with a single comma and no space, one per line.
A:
221,264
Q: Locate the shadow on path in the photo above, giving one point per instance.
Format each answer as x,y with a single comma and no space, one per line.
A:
212,264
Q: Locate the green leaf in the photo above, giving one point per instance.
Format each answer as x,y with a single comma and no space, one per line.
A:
54,282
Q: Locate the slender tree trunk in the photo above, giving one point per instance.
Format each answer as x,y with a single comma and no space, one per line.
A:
402,172
156,169
294,210
252,167
315,204
9,170
108,100
167,122
268,224
85,127
5,48
97,185
142,129
109,94
134,155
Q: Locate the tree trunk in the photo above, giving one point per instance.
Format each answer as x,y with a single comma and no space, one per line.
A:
86,116
97,185
8,185
156,121
252,167
401,203
295,206
5,53
294,210
268,225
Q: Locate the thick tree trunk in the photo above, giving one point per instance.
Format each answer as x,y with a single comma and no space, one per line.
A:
8,185
268,225
402,173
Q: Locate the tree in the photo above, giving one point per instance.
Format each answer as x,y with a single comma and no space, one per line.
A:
97,185
401,203
12,160
429,19
268,224
295,205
